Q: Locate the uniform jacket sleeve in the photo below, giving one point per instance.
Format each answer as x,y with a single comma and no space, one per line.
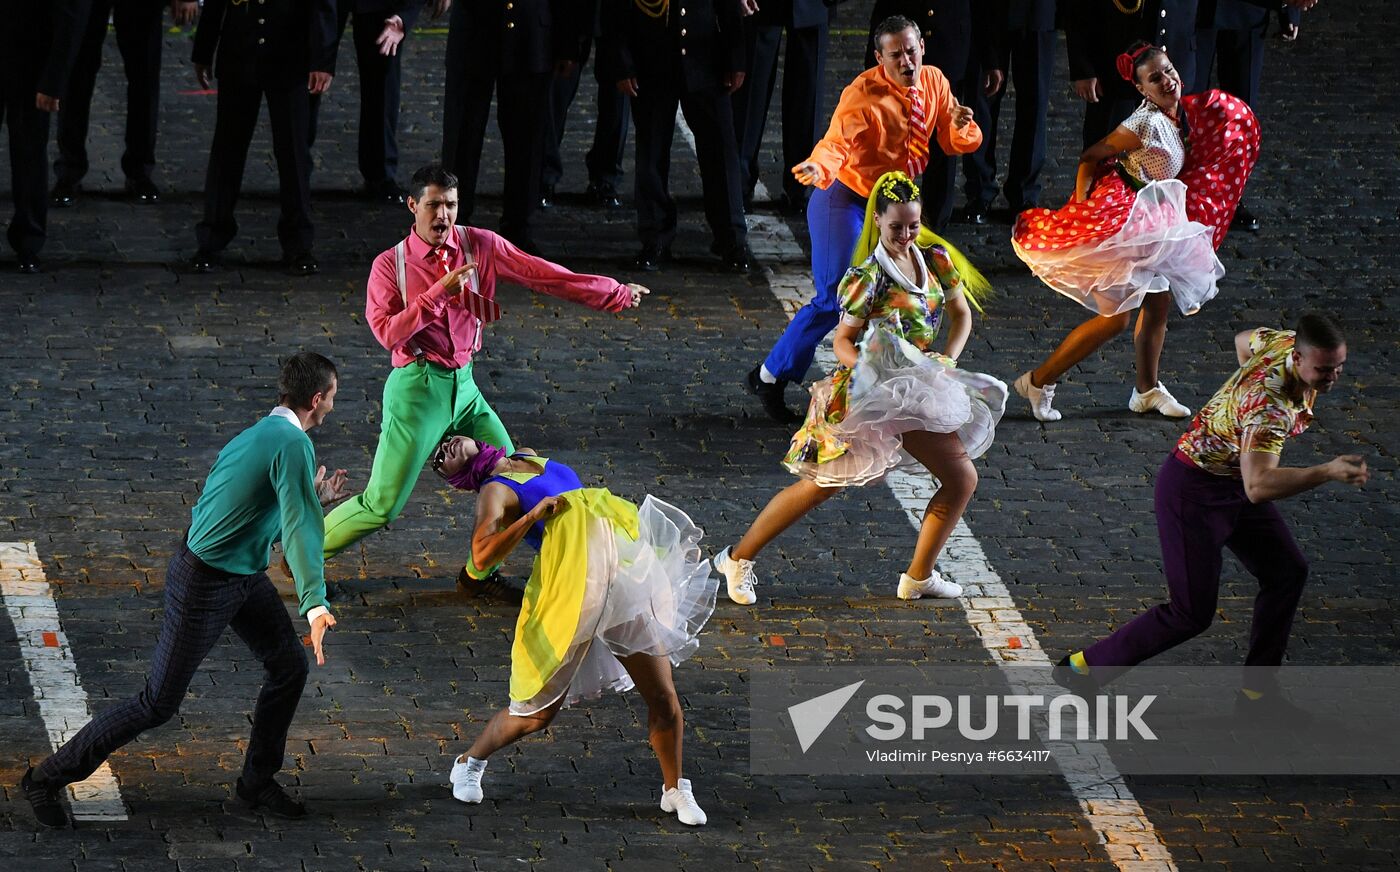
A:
303,526
323,36
731,32
408,11
69,22
207,30
614,54
1079,35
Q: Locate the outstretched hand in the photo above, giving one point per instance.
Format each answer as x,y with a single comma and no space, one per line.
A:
330,490
638,291
807,172
318,636
1349,469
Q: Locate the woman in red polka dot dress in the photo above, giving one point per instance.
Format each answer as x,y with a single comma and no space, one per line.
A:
1152,202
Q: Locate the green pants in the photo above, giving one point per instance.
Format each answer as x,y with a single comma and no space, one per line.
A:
423,402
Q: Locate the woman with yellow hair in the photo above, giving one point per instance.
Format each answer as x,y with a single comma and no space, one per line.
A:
893,400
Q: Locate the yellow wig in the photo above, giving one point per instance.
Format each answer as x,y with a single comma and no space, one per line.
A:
975,285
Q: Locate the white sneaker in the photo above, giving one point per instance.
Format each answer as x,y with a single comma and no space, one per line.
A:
680,800
934,585
739,575
466,780
1158,398
1040,398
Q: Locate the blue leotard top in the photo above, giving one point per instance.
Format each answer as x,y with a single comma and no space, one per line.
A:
556,479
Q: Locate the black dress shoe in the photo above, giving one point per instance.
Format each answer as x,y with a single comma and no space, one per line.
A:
975,213
1076,683
271,797
737,257
1245,220
304,264
386,190
45,799
771,396
64,194
143,191
604,195
546,196
204,261
494,587
651,258
29,264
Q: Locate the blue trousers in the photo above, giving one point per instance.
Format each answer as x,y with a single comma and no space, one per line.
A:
834,220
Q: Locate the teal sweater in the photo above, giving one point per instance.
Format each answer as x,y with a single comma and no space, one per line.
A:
261,489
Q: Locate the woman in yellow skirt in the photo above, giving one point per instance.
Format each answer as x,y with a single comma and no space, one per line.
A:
617,596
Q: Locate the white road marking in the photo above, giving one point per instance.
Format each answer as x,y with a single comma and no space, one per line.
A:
63,704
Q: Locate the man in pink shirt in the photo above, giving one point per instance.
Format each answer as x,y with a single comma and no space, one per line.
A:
425,305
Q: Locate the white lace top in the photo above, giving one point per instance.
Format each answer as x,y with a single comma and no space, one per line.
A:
1162,153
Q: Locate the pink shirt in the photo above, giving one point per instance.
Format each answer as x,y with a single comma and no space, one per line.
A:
438,324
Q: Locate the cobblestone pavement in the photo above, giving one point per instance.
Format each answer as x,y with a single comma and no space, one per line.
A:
126,374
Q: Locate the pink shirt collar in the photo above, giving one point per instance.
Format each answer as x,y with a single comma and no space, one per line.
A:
420,249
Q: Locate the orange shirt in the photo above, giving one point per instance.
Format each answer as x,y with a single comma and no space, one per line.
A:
869,132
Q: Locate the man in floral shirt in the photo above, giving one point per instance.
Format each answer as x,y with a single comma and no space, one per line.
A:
1217,489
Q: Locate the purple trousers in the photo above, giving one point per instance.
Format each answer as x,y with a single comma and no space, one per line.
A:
1198,515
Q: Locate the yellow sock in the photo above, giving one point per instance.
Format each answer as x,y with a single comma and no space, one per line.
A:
1252,694
1078,663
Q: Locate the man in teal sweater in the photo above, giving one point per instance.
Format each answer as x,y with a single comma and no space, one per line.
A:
265,485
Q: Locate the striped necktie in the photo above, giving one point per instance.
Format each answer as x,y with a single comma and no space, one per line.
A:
919,131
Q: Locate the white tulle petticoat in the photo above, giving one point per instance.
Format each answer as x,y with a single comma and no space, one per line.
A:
649,596
1158,249
894,389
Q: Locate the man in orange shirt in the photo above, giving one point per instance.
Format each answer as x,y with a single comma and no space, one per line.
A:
883,123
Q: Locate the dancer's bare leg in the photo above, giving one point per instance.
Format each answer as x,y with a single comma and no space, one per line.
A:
1081,342
1148,338
944,456
505,728
782,511
665,721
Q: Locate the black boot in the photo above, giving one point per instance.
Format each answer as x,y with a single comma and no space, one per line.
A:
771,396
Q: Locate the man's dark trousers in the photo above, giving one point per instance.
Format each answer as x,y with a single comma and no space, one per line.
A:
138,29
1198,515
1031,69
710,117
604,158
199,603
236,116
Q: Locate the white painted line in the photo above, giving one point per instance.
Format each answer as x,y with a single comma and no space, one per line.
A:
1128,837
63,704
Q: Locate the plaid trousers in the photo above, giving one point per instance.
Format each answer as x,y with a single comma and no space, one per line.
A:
200,602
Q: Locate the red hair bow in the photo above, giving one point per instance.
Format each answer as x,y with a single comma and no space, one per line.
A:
1127,62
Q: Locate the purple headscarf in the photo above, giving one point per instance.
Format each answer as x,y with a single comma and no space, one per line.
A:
472,476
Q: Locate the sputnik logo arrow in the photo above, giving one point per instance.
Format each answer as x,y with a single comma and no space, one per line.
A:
811,718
